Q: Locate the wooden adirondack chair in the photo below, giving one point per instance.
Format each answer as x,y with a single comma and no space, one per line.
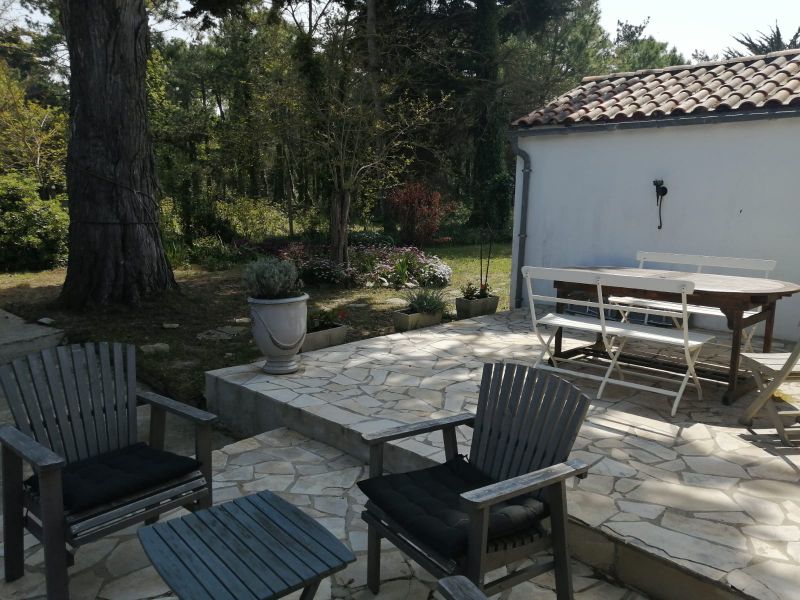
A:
75,411
472,516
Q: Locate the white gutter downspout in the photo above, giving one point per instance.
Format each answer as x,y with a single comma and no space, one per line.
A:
522,235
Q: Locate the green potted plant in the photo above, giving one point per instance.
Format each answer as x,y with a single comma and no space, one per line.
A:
324,328
425,308
277,311
478,300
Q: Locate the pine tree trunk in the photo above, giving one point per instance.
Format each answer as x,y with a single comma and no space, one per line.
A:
115,249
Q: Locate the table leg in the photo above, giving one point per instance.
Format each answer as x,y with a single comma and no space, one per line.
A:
735,324
309,591
560,332
769,325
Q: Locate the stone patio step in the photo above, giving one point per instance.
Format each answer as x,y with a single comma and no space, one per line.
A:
691,504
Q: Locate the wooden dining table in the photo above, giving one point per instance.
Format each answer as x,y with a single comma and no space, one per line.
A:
732,295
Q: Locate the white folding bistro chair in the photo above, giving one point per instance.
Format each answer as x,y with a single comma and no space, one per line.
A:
616,334
770,370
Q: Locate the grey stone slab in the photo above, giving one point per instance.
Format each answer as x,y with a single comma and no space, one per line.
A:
683,497
705,529
678,545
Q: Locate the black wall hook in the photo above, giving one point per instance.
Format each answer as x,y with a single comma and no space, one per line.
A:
661,191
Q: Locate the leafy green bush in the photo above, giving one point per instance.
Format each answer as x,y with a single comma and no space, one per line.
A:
213,254
426,300
33,232
271,278
258,219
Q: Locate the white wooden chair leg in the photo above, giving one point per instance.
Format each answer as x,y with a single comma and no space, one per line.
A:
545,348
695,377
775,417
614,358
678,397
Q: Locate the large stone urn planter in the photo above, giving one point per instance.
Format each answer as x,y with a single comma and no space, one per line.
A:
279,328
467,309
405,321
324,338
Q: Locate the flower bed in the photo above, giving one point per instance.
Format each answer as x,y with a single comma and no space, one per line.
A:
370,266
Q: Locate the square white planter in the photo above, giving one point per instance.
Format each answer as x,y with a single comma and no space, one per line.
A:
404,321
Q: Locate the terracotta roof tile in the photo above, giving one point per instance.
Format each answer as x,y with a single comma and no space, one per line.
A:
742,83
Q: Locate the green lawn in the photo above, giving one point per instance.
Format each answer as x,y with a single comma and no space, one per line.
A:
208,300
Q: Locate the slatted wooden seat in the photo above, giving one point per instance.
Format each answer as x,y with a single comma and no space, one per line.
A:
698,263
770,370
614,335
75,409
526,423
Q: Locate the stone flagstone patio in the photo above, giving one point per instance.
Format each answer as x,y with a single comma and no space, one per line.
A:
670,504
318,478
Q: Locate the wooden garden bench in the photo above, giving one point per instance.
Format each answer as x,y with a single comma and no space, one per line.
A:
75,409
614,335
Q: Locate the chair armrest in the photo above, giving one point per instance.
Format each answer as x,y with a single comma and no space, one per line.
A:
178,408
39,456
523,484
459,587
412,429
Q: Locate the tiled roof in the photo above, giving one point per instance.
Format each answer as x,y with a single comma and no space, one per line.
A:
739,84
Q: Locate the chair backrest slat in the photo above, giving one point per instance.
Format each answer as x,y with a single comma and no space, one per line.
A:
81,374
70,387
699,261
120,396
130,361
96,399
59,400
490,391
14,398
531,422
79,401
109,404
596,275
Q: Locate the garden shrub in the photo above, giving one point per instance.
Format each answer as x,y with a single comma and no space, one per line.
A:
369,265
425,300
33,232
418,211
213,254
258,218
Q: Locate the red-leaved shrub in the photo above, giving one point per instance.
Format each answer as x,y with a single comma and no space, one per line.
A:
418,211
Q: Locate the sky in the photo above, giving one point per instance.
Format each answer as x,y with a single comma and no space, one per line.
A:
702,24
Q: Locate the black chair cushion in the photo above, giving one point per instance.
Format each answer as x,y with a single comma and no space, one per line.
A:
426,504
116,474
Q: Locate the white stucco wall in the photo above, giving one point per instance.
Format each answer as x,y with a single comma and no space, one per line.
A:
734,190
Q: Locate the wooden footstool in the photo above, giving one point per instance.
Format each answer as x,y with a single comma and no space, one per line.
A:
253,548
